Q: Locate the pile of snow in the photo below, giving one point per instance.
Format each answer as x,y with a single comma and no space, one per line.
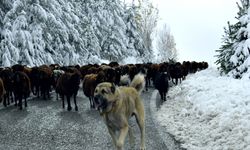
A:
208,111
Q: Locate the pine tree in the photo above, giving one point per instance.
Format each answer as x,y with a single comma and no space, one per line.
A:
233,57
226,50
240,57
14,30
5,36
111,28
134,37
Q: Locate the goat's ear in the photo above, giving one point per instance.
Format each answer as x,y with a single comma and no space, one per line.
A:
112,88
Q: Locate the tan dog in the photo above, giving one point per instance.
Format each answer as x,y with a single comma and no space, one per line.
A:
117,105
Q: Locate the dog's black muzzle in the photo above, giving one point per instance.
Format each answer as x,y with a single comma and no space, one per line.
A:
100,103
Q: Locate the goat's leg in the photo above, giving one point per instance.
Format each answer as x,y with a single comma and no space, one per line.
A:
63,104
91,102
25,101
69,105
56,96
48,92
8,99
76,108
44,93
20,103
147,84
4,100
162,95
10,94
16,99
38,91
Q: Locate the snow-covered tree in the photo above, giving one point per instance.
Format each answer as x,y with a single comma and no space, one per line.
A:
147,16
165,45
134,37
9,53
226,50
108,19
68,32
234,55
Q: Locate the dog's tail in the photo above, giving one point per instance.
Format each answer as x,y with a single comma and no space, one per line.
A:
125,80
138,82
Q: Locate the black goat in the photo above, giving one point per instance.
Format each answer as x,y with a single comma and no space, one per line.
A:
161,84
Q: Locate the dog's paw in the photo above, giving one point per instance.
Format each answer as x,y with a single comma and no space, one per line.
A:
119,145
142,148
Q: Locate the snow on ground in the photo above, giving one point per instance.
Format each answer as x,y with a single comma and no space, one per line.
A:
208,112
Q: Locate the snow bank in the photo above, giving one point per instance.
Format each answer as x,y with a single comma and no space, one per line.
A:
208,111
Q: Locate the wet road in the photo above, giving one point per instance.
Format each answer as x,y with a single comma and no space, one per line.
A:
44,125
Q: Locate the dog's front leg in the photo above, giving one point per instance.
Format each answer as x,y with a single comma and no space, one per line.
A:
131,138
112,133
122,136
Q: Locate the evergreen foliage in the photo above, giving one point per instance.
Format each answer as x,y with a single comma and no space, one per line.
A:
226,51
67,32
145,18
233,58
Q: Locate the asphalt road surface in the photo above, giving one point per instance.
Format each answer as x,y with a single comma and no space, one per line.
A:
44,125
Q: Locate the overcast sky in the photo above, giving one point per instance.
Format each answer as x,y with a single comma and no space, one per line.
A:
197,25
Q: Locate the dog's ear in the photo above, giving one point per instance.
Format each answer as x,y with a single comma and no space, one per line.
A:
112,88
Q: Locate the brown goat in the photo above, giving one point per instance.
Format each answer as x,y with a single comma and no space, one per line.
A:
45,80
90,81
68,85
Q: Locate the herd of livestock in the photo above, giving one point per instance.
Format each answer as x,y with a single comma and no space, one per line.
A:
19,81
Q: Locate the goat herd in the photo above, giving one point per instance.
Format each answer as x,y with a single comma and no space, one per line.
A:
18,82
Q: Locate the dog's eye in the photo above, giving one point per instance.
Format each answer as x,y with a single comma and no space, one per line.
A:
104,92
